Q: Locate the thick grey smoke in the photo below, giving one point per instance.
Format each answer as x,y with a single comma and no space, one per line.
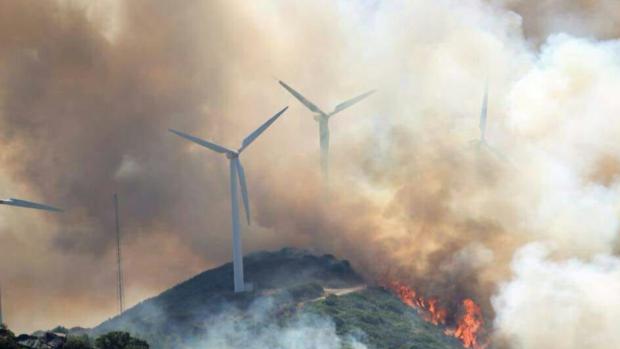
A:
89,90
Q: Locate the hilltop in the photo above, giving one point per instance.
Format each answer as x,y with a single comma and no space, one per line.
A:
295,292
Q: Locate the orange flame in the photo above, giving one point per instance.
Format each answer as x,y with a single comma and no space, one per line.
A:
468,325
438,315
430,309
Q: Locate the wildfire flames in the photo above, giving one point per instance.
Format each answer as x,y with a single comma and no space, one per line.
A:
468,324
429,309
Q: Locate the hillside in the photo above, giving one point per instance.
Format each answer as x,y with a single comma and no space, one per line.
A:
295,294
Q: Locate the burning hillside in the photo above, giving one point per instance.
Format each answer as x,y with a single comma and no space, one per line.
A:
294,291
485,169
467,324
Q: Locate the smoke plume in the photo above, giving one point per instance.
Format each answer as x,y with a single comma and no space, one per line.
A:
87,93
568,304
259,330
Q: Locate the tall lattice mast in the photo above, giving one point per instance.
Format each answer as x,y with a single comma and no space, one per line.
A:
1,320
121,292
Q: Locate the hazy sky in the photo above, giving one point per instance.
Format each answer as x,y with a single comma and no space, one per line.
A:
87,93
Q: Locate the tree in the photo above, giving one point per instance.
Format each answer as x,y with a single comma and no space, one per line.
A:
7,338
78,342
119,340
60,329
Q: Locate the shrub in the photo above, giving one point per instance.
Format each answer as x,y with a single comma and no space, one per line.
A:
7,338
60,329
78,342
119,340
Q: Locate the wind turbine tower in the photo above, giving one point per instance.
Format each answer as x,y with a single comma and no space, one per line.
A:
237,174
119,262
24,204
323,119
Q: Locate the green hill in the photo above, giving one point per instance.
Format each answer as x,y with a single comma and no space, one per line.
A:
319,301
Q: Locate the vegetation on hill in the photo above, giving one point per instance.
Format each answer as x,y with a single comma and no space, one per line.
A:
298,298
180,313
382,320
289,297
111,340
78,342
7,338
119,340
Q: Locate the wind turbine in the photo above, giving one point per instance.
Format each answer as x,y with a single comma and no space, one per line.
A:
236,173
323,119
482,142
25,204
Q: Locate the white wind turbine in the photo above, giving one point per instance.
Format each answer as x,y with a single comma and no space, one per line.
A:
323,119
25,204
236,170
482,142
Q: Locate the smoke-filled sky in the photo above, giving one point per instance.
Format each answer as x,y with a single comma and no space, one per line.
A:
88,91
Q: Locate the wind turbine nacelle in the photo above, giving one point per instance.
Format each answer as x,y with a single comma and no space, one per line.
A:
318,117
232,155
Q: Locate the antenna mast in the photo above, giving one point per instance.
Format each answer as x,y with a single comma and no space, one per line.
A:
121,292
1,305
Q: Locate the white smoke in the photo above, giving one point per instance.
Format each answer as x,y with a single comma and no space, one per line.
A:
258,328
567,304
403,177
561,113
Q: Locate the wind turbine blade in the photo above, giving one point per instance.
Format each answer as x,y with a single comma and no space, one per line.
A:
249,139
28,204
244,189
344,105
212,146
302,99
483,114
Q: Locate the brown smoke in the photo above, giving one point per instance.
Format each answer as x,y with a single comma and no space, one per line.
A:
88,94
591,18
